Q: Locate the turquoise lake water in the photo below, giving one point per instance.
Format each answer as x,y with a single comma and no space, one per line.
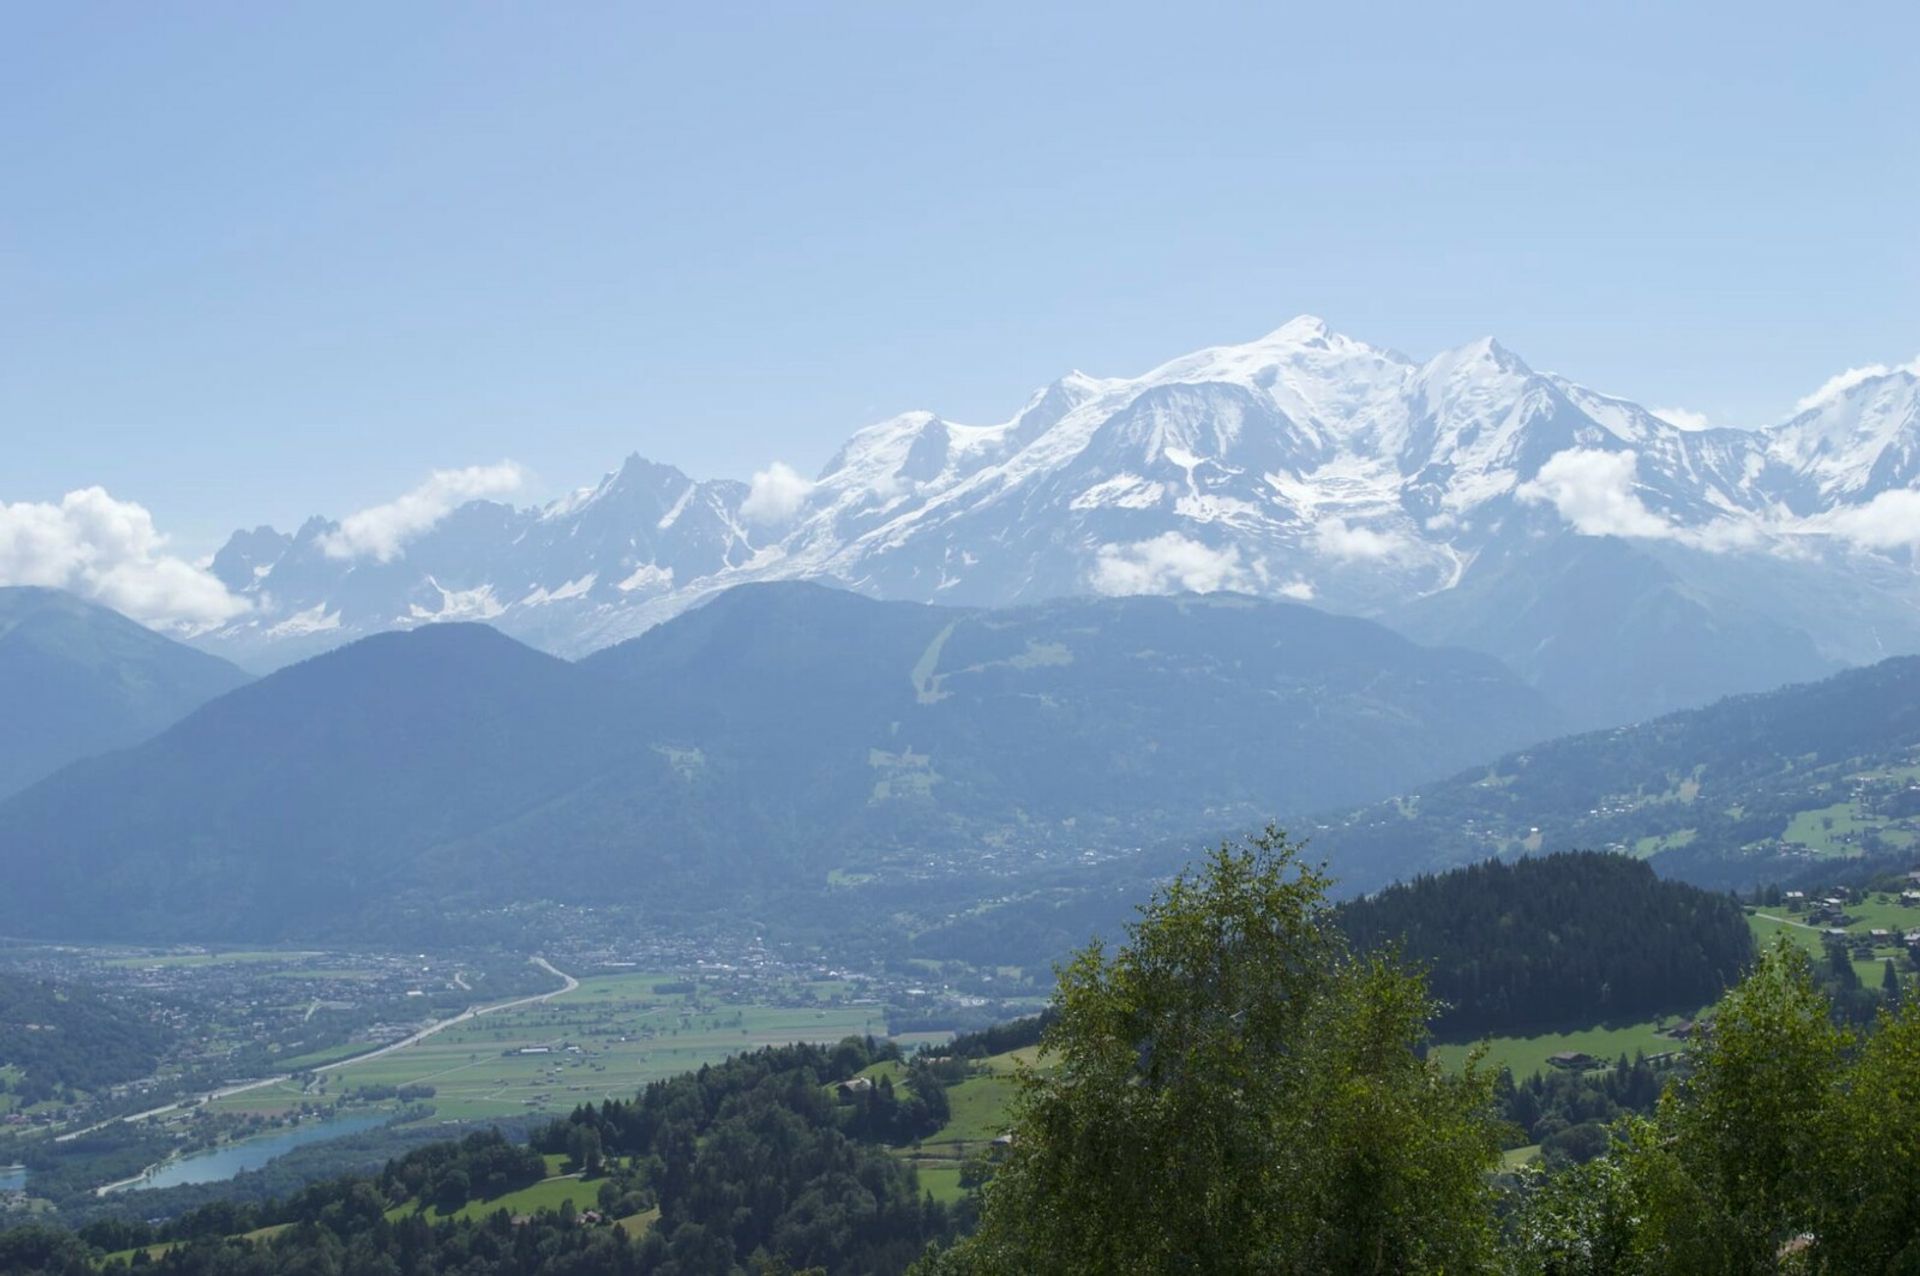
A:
222,1163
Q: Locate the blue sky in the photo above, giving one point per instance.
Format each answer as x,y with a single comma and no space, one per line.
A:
261,261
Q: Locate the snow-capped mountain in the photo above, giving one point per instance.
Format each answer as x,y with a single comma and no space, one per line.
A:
1305,464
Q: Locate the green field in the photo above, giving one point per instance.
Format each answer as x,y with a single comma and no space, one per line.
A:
1524,1056
606,1039
548,1194
1876,912
1824,829
980,1113
941,1182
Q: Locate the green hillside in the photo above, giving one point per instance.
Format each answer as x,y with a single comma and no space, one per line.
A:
1752,789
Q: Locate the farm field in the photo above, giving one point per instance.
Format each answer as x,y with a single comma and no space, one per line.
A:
605,1039
979,1113
1524,1056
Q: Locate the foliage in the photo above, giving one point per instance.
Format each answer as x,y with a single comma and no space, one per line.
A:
1232,1090
1002,1038
481,1166
1521,947
1569,1113
1788,1137
757,1155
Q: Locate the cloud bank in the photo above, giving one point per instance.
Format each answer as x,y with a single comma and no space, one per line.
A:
109,551
775,495
384,530
1170,563
1890,520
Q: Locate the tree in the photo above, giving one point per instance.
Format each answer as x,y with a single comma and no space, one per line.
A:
584,1149
1233,1090
1783,1140
1869,1218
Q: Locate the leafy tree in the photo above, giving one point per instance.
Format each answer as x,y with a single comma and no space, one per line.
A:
1785,1142
1869,1217
1232,1090
1728,1186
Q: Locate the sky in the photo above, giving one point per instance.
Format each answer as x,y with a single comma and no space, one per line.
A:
259,262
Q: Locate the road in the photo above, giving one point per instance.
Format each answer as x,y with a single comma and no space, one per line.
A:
567,984
1787,921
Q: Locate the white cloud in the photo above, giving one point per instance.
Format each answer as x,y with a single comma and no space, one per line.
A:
775,495
1593,490
382,531
1168,564
1888,521
109,551
1841,382
1683,418
1340,539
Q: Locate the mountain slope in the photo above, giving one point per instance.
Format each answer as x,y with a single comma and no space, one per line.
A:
748,749
1751,789
1076,722
1613,632
1304,464
78,679
302,798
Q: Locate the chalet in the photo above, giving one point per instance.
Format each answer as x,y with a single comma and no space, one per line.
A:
1574,1060
1910,898
852,1086
1682,1030
1880,936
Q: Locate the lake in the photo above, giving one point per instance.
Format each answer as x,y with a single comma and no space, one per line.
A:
221,1163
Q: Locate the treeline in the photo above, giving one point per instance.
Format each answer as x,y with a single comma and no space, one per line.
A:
1570,1114
1539,943
65,1037
758,1160
1016,1034
481,1166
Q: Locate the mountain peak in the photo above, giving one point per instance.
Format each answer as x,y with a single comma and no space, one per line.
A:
1301,328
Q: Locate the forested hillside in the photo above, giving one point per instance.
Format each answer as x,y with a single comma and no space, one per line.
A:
1753,789
1556,941
63,1036
764,744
